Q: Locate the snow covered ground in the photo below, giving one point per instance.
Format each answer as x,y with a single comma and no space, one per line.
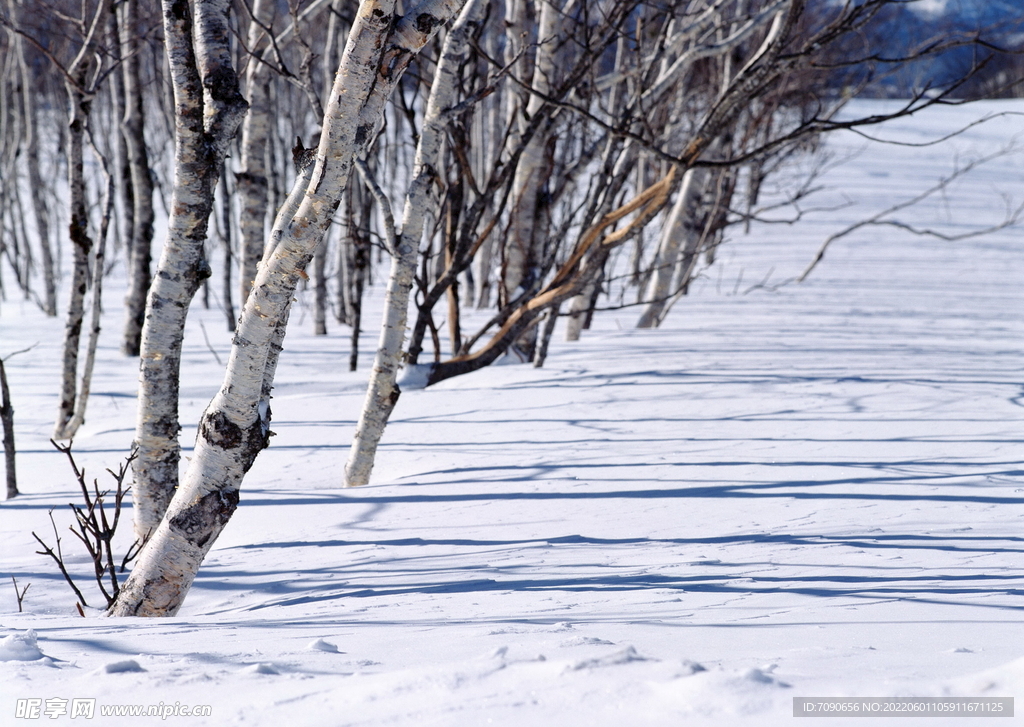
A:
799,491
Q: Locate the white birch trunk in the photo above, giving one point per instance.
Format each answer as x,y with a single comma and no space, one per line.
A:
520,254
683,229
41,214
133,130
82,244
208,109
383,391
234,427
95,310
320,289
80,101
251,181
491,130
581,303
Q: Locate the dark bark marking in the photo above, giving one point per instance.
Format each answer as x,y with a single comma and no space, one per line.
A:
221,432
179,10
258,180
363,133
425,23
203,270
206,516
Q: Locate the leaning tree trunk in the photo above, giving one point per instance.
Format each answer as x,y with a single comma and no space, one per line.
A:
235,426
132,129
583,267
383,392
208,109
581,305
683,229
521,256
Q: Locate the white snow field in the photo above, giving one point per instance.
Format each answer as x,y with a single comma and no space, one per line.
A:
801,491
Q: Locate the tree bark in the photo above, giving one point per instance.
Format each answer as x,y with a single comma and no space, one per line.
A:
226,276
683,229
95,308
521,258
81,244
133,132
550,321
320,289
251,182
235,426
582,267
118,143
41,214
7,419
208,109
383,391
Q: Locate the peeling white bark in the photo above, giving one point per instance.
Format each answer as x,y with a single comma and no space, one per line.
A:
95,310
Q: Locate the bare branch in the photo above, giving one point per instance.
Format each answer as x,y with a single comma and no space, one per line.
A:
878,219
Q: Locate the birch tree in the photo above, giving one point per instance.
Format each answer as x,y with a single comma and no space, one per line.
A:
30,114
140,179
383,391
235,426
208,108
520,254
251,180
82,77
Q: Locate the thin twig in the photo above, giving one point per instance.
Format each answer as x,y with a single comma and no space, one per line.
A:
877,219
58,558
382,200
20,593
209,346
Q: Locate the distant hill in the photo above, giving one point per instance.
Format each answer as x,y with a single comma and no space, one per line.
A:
905,27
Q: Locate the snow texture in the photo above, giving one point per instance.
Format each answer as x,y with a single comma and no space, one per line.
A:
20,647
788,490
